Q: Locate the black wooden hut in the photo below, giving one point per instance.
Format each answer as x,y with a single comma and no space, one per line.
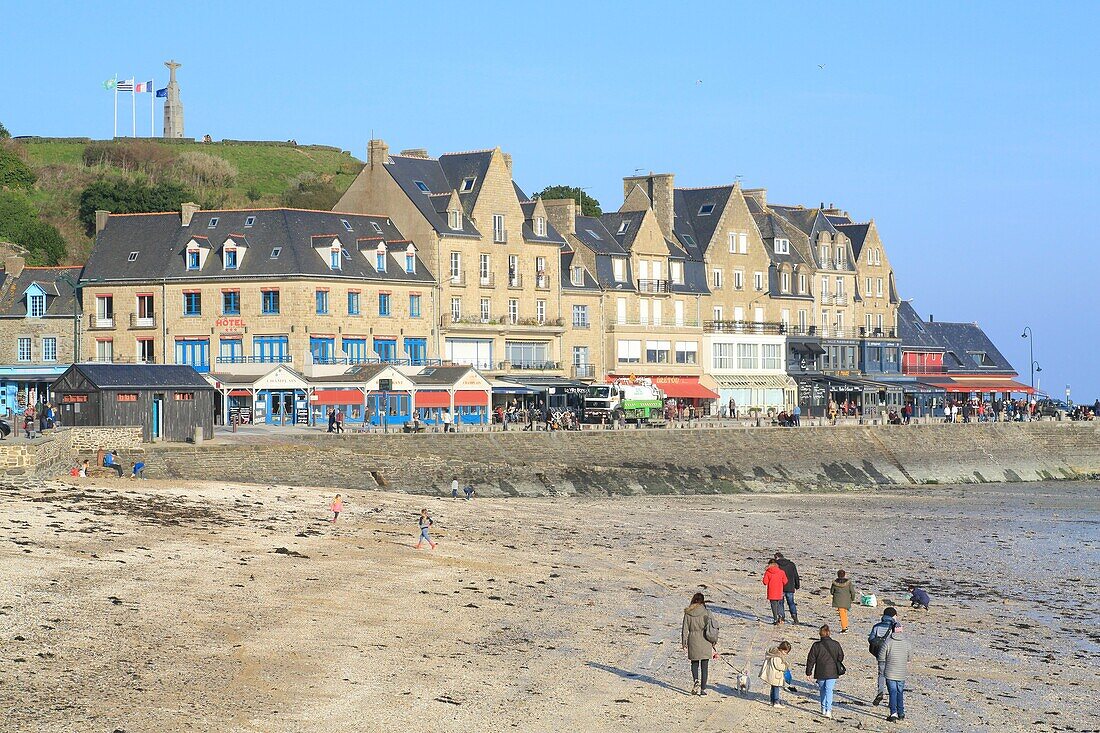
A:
168,401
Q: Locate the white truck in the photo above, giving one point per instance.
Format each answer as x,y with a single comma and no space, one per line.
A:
632,400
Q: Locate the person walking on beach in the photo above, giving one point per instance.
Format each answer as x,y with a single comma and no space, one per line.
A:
337,506
775,669
774,580
425,523
698,636
825,665
454,487
844,595
880,632
894,656
793,583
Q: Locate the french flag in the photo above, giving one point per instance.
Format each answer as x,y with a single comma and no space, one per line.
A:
145,86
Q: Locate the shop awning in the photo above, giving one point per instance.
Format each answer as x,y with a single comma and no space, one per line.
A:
754,381
684,388
470,398
239,393
337,397
432,398
987,385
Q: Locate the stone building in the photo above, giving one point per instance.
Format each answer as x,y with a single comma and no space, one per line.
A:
496,254
39,328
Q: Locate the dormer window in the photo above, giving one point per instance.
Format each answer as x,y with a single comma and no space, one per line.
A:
133,256
706,209
410,260
249,221
377,227
380,258
467,184
782,246
275,252
422,186
231,258
36,305
334,261
455,219
346,223
540,226
576,275
624,226
213,223
194,259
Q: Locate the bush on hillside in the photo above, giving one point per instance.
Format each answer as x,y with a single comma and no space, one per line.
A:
4,134
204,170
14,173
129,197
308,191
138,156
19,223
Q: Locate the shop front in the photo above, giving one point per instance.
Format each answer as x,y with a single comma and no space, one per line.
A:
684,391
23,388
281,398
765,393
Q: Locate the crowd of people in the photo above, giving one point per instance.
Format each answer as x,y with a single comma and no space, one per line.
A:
887,642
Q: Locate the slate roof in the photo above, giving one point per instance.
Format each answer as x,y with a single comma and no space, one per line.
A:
161,244
567,256
440,376
857,233
687,203
61,300
913,332
959,341
140,376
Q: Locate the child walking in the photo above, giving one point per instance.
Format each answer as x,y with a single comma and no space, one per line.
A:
774,670
844,595
337,506
425,523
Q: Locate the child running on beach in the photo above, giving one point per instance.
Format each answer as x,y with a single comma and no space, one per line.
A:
337,506
425,523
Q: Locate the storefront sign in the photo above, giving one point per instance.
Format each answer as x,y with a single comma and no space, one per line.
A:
229,323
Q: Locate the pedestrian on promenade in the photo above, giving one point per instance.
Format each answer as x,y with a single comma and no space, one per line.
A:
880,632
844,595
733,409
907,412
339,420
774,580
332,420
425,523
825,665
793,583
919,597
774,670
797,416
698,636
337,506
894,656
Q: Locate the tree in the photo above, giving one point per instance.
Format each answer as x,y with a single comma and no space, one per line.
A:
20,224
14,173
129,197
308,191
4,134
16,214
589,205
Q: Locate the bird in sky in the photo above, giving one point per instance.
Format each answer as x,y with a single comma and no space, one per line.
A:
821,66
698,82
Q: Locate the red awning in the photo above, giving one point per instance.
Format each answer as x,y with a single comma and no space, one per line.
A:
239,393
987,386
432,398
337,397
684,388
469,398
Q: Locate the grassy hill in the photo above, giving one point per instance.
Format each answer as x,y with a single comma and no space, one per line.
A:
260,174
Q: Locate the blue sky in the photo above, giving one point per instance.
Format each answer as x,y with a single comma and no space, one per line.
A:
968,131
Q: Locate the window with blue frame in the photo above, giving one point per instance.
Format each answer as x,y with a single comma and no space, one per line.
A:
323,349
231,302
192,303
355,350
231,258
416,349
270,302
194,352
270,349
383,304
386,349
194,260
353,302
230,350
334,259
414,306
322,302
380,261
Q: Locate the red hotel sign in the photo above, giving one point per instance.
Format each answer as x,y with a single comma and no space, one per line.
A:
229,323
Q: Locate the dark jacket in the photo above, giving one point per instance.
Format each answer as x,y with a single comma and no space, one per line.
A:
789,568
822,659
920,596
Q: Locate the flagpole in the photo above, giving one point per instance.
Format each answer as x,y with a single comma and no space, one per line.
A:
115,134
152,95
133,108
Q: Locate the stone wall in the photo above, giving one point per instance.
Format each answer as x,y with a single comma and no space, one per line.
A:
652,461
59,450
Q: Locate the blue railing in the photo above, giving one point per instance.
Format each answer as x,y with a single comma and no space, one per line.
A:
270,359
355,361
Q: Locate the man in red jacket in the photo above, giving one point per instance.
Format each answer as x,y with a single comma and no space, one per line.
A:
774,580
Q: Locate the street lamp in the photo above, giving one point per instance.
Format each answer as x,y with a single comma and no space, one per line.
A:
1030,336
1038,369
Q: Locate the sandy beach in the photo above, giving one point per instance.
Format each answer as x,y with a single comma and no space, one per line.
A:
163,607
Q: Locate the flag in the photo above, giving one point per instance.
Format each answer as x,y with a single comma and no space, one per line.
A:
162,92
144,87
110,83
125,85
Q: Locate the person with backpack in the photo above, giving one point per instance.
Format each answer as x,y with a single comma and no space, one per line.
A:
894,656
880,632
698,637
844,595
793,584
775,670
774,580
825,665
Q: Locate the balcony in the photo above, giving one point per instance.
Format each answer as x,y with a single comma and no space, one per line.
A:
359,360
536,366
634,324
487,280
840,299
515,281
659,287
137,321
457,280
584,371
501,324
801,330
264,359
825,299
745,327
881,333
583,325
100,323
924,369
542,281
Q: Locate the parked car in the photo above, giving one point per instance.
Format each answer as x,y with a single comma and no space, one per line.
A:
1051,408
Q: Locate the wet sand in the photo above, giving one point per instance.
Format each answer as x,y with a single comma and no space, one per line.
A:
240,608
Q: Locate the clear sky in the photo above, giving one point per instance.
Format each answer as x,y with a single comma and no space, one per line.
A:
970,131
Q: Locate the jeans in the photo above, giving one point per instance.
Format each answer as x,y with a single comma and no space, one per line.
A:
116,467
826,687
424,536
777,610
790,604
897,696
699,672
881,690
775,693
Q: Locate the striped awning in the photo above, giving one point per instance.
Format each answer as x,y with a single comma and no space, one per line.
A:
754,381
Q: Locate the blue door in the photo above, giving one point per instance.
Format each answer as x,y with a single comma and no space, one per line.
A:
195,352
323,350
395,406
386,350
270,349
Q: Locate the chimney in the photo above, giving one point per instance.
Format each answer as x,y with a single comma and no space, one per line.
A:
931,318
377,152
101,220
13,265
415,153
188,210
659,188
562,214
759,195
507,162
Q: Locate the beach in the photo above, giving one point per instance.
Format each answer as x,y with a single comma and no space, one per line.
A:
164,606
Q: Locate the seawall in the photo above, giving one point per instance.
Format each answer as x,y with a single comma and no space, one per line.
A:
651,461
